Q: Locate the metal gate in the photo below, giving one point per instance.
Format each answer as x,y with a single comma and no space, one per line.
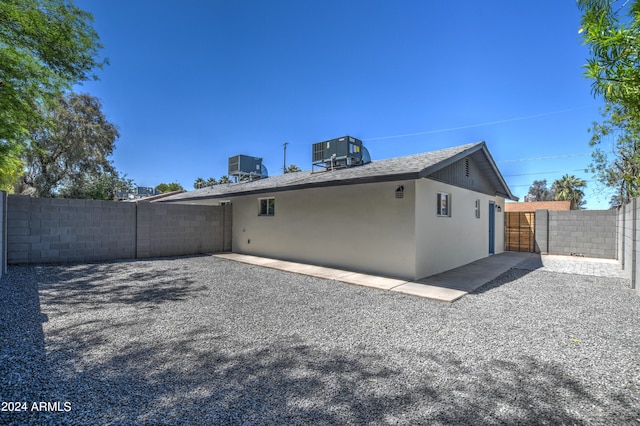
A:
520,231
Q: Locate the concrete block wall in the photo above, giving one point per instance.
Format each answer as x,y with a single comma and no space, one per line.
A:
179,229
635,273
46,230
627,244
591,233
541,232
629,235
3,233
54,230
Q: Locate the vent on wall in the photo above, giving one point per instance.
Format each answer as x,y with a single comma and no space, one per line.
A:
466,167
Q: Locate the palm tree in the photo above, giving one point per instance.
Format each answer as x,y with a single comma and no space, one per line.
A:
292,168
211,181
570,188
224,179
199,183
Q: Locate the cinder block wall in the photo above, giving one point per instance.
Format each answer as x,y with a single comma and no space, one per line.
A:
628,239
46,230
3,233
178,229
635,279
542,231
591,233
53,230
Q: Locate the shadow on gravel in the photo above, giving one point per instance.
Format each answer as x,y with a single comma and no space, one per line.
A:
294,383
25,376
108,283
514,274
210,375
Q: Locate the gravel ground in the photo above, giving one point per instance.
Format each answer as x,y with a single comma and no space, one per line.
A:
202,340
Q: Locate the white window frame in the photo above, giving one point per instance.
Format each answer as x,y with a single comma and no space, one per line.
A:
443,209
269,208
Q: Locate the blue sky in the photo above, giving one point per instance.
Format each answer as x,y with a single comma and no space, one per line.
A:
191,83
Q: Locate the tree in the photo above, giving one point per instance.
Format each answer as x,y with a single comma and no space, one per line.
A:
104,186
199,183
169,187
72,146
211,182
224,179
611,29
618,165
539,191
292,168
46,46
615,201
569,188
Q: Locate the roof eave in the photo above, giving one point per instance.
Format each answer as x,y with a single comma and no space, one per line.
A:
504,192
341,182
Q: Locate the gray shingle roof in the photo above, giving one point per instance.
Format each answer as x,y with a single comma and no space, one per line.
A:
393,169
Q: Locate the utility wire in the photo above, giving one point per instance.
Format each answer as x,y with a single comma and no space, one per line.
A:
474,125
544,173
552,157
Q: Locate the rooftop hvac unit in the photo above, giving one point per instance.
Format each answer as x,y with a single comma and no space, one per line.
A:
245,167
346,151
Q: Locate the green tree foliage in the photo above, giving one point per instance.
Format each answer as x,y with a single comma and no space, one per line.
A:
104,186
46,46
611,29
71,147
169,187
292,168
616,154
224,179
211,182
199,183
539,191
569,188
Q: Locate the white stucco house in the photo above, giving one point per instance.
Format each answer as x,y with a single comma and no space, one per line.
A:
407,217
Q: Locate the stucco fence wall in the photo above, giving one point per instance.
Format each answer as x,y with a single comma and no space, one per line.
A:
51,230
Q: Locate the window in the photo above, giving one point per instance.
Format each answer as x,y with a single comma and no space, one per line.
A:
267,206
444,204
478,209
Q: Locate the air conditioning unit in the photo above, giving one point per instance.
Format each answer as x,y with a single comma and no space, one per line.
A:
245,167
346,151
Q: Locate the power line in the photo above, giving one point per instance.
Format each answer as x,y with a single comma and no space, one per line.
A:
544,173
529,185
551,157
450,129
428,132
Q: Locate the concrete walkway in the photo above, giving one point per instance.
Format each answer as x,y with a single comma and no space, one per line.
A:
446,287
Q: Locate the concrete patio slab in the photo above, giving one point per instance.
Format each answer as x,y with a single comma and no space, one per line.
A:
433,292
470,277
381,283
446,287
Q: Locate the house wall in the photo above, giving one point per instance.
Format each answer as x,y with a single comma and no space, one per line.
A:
46,230
444,243
356,227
